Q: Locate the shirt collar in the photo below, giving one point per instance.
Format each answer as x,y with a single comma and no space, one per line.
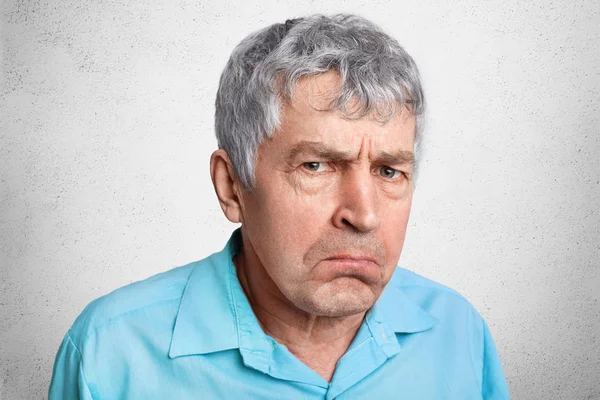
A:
207,319
398,311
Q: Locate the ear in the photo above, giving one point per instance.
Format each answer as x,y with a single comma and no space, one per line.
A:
227,185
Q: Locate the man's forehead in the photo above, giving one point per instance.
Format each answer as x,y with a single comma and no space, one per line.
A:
327,135
309,126
330,129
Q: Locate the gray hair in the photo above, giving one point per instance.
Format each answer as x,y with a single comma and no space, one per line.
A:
266,66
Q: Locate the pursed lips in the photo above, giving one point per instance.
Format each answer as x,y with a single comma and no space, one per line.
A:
352,258
364,268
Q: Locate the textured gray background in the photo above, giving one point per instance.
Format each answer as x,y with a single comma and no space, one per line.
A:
106,111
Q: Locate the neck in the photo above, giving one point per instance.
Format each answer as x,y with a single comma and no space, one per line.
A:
317,341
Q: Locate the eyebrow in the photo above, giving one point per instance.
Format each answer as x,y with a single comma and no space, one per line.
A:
398,157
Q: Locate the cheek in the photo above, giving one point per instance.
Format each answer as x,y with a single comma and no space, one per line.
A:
284,224
393,230
303,205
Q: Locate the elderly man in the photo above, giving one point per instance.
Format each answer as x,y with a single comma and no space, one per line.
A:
317,120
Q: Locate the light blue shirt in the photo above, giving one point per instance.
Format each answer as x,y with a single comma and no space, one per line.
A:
190,333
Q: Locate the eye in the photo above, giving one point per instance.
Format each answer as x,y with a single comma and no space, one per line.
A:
314,166
389,173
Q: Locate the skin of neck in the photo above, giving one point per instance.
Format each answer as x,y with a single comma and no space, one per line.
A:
317,341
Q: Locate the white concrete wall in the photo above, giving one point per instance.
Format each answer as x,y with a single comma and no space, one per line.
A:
106,115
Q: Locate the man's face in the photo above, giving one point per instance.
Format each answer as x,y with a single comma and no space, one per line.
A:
327,217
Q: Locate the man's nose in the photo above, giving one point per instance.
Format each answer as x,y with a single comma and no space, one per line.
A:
357,197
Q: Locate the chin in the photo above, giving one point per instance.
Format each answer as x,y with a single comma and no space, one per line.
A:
335,301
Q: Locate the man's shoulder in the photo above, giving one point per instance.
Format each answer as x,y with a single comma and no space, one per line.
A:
439,300
122,303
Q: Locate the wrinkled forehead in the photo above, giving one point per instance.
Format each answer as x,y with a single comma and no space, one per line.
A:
309,118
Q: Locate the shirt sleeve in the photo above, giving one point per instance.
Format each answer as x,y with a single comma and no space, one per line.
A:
494,385
68,381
